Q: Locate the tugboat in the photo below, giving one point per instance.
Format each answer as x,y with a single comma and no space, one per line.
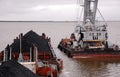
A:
90,38
35,49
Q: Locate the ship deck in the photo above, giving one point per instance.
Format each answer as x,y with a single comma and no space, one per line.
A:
90,53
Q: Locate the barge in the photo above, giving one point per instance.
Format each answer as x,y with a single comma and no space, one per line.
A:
90,39
32,48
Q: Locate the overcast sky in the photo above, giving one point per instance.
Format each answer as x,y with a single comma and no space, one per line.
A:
53,10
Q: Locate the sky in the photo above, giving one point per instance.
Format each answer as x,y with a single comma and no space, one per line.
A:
53,10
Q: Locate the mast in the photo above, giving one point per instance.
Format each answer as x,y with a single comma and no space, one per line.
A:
30,54
10,53
90,7
20,58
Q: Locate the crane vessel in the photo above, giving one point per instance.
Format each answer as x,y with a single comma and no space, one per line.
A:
90,39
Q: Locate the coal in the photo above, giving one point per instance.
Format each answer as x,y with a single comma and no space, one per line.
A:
39,41
29,40
14,69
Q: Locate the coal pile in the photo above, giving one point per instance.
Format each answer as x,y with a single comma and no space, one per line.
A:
39,41
14,69
29,40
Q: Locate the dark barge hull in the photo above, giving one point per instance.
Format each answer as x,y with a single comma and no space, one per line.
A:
90,53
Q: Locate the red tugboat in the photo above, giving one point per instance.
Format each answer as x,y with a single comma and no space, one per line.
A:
34,48
90,38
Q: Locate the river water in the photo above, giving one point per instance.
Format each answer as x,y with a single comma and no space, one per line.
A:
58,30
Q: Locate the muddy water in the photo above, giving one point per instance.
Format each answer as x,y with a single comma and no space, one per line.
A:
89,67
58,30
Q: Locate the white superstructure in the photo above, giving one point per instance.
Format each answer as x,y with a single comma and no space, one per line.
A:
90,30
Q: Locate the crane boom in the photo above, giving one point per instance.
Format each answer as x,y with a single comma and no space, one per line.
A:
90,7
